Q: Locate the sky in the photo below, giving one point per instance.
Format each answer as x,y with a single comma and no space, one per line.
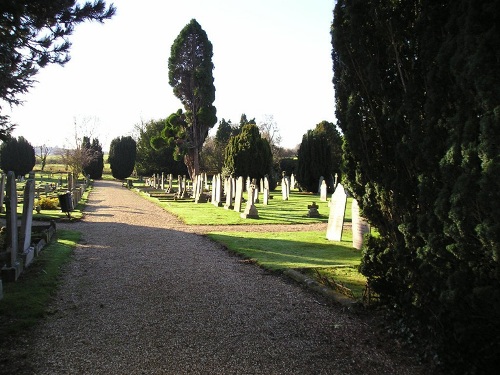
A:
272,59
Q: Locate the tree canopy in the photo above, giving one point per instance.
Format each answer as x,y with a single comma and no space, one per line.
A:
17,155
122,154
248,154
319,155
190,75
417,98
33,34
152,160
95,164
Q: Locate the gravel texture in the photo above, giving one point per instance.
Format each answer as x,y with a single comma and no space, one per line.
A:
145,295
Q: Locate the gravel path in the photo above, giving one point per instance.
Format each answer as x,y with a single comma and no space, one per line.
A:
142,295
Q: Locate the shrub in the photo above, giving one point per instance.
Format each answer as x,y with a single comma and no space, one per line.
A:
48,203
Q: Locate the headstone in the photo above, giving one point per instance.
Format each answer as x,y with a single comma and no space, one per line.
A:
256,195
12,268
218,191
293,182
313,210
337,212
162,185
229,194
169,181
285,188
250,209
321,179
214,179
323,191
265,192
2,190
70,181
360,226
26,250
200,197
238,195
247,185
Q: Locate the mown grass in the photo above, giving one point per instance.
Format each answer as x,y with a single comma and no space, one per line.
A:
25,302
305,251
278,211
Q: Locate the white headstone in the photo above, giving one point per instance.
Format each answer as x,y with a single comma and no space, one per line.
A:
238,196
337,212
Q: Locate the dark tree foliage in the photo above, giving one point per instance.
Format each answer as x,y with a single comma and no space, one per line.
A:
150,160
289,166
122,154
248,154
33,34
225,131
190,74
95,166
319,155
418,100
17,155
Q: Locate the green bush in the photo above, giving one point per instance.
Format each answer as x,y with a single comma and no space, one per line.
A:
48,203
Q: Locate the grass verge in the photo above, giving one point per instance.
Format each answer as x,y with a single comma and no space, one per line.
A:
25,301
309,252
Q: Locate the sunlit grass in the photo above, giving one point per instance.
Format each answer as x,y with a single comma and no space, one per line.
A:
299,250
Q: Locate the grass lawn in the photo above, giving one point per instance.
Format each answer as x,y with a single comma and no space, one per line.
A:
309,252
25,301
293,211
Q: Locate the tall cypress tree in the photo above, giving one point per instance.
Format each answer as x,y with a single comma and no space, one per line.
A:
190,74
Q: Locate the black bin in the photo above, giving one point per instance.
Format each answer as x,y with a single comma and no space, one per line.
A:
65,202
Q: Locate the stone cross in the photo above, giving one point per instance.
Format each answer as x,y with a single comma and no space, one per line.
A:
337,212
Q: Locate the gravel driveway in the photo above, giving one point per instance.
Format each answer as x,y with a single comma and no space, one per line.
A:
145,295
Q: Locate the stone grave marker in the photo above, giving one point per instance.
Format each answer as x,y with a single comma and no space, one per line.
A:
265,191
26,250
12,268
238,195
293,182
323,191
321,179
218,190
337,212
360,226
162,184
229,193
285,188
250,209
313,210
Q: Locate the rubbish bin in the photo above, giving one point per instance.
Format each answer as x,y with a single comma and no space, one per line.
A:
66,202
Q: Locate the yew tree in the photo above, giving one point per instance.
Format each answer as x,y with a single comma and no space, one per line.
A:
417,99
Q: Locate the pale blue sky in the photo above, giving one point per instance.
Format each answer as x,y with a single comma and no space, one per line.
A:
271,57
